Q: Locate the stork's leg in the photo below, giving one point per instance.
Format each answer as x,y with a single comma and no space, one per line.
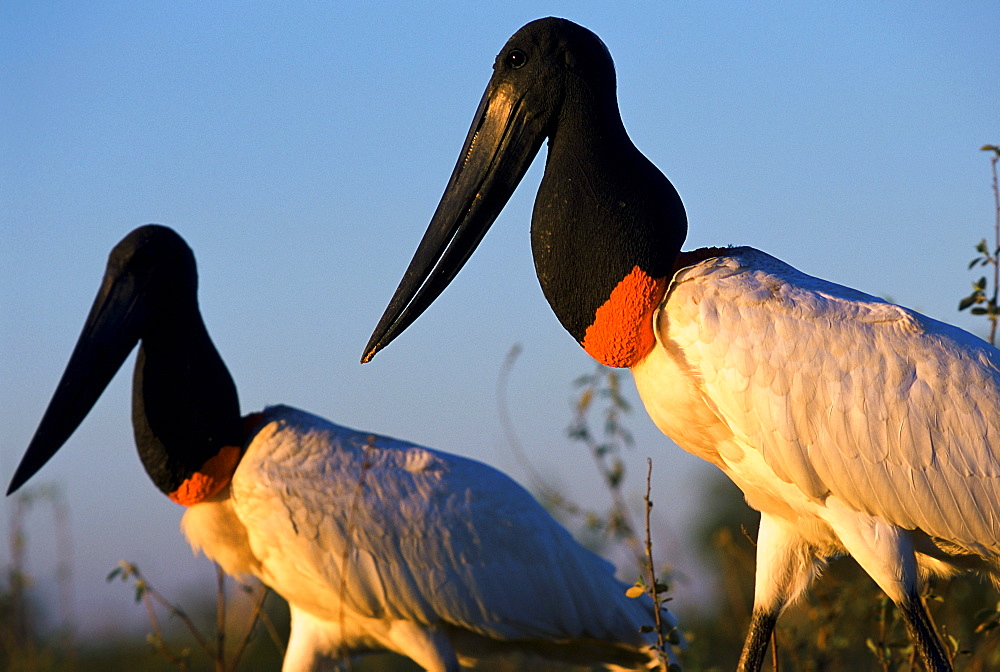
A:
918,624
785,566
310,642
886,553
761,626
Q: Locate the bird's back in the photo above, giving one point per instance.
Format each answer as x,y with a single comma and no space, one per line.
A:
835,392
355,527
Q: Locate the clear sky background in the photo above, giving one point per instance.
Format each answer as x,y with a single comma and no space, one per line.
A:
301,148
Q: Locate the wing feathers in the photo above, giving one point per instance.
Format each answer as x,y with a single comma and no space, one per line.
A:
396,531
894,413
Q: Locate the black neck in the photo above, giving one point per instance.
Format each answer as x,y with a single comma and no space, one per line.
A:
602,209
184,402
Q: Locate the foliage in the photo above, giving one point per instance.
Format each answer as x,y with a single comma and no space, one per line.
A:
979,301
213,647
657,591
600,394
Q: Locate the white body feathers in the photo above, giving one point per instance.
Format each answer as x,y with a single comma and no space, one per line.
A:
851,423
381,544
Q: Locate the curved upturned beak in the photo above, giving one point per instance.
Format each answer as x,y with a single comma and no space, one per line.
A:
506,134
109,334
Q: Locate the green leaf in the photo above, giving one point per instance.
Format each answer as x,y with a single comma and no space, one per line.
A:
978,311
114,574
966,302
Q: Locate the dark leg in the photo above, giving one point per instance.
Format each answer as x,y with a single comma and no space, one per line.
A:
918,624
761,626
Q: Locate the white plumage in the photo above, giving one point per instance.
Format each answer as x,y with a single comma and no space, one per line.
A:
851,424
839,415
381,544
375,543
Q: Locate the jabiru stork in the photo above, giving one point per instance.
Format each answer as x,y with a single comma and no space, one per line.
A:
376,543
853,425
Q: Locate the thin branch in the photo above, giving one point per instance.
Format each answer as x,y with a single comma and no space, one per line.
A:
654,588
538,484
255,617
147,593
996,243
612,475
157,639
181,614
220,619
273,632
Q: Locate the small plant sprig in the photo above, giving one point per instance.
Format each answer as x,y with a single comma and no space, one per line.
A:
655,589
606,449
978,301
150,597
616,523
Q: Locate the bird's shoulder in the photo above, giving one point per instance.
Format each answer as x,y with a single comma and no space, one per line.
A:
744,279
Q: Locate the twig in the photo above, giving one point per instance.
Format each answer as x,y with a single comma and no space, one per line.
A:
255,616
991,257
883,633
538,483
551,498
146,593
273,632
654,587
620,520
220,619
996,236
157,639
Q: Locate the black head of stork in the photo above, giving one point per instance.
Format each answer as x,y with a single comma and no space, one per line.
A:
607,224
185,410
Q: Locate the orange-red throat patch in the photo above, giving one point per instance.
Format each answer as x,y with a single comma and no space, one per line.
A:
216,473
212,477
622,331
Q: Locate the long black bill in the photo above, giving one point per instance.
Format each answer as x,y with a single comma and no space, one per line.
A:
504,138
109,334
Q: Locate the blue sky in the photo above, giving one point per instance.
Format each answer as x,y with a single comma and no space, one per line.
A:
300,148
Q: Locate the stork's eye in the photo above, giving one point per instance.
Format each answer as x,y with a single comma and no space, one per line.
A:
516,59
